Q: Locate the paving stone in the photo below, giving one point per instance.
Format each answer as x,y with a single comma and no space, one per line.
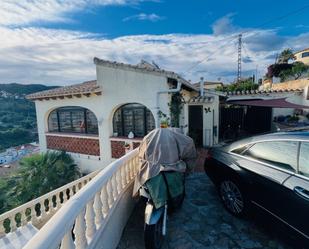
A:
202,223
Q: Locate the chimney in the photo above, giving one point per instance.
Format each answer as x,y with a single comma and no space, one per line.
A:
202,86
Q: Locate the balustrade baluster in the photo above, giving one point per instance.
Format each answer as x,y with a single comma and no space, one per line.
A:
13,224
136,163
23,218
98,209
67,241
65,196
118,181
104,199
114,187
127,172
50,205
80,231
123,177
90,216
131,166
43,210
110,197
34,217
2,229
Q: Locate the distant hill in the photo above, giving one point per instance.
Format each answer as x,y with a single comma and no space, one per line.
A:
16,88
17,114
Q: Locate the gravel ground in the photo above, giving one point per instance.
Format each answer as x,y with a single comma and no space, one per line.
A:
202,222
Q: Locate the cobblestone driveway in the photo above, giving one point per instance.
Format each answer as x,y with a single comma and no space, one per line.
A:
202,222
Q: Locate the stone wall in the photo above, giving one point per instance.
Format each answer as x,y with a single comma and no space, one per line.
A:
292,84
87,146
287,85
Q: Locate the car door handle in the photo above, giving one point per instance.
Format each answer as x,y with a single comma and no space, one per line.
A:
302,192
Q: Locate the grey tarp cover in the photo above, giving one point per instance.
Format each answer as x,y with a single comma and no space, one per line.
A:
164,149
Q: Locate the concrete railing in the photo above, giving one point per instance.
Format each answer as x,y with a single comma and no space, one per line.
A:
95,217
40,210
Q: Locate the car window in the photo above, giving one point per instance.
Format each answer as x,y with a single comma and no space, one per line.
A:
282,154
304,159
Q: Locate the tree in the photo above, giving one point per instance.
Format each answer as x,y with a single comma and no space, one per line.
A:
243,85
285,56
36,176
298,69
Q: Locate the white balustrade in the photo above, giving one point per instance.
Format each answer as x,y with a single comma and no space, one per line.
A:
97,212
39,210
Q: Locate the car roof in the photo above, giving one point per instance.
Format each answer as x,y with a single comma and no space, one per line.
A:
288,135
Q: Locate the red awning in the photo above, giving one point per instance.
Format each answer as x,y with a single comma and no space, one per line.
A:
275,103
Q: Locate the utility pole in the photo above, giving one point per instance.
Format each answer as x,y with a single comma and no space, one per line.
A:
239,57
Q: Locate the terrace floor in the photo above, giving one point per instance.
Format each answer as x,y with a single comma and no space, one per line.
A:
202,222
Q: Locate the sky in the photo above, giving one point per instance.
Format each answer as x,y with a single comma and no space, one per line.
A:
53,42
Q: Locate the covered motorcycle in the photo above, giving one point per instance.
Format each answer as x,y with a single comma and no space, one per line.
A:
165,155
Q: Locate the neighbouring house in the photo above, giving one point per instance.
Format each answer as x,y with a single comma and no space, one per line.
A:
16,153
302,56
97,121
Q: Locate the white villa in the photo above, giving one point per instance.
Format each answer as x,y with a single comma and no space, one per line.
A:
98,122
92,120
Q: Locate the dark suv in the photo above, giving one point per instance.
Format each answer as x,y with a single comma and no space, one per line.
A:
268,171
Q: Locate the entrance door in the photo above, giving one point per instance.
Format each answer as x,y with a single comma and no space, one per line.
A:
196,124
258,119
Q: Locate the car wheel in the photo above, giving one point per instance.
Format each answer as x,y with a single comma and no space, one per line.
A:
233,197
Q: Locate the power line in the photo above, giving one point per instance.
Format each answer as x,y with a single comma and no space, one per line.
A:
206,58
283,16
247,32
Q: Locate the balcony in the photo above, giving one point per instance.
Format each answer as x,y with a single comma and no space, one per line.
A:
95,212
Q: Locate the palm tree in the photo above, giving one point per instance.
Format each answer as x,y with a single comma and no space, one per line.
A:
285,56
42,173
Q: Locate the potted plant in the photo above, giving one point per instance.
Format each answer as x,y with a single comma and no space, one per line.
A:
164,120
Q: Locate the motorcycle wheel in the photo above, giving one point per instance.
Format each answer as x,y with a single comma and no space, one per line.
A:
153,235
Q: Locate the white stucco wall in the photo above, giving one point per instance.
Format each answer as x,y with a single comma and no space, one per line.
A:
119,86
210,120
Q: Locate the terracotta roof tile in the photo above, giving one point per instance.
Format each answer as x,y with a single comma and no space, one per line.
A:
87,87
257,92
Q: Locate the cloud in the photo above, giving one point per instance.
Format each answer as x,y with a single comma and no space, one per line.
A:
25,12
224,25
62,57
144,17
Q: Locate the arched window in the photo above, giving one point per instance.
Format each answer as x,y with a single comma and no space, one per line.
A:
133,117
72,120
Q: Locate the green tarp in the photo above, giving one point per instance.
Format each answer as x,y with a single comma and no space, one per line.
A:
158,190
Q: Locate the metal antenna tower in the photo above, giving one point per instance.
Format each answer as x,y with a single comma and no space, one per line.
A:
239,57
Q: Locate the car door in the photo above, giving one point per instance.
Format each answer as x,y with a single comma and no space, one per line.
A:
297,194
267,165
